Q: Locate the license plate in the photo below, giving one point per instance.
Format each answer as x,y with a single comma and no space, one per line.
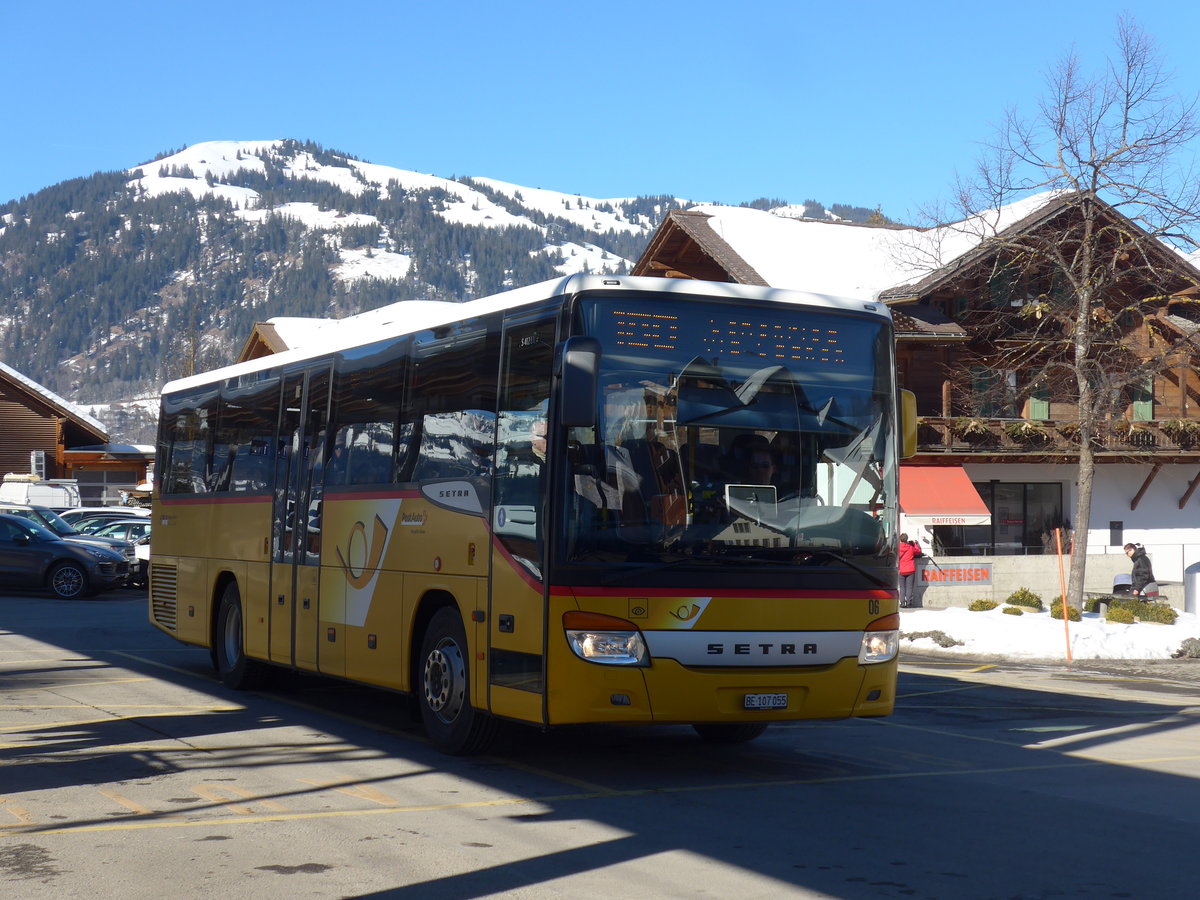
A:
765,701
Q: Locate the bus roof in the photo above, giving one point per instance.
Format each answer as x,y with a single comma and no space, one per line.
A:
411,316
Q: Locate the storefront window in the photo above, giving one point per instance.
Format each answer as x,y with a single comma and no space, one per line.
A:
1024,517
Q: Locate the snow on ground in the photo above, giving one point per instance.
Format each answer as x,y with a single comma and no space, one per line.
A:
1035,635
586,257
374,263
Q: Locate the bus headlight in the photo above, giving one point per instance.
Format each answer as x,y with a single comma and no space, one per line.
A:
605,639
880,640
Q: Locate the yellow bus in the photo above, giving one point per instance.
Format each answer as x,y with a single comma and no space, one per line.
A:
592,500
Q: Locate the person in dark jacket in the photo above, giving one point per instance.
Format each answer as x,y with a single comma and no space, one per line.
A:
1142,578
907,554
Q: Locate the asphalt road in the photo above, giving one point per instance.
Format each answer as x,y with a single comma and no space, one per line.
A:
127,770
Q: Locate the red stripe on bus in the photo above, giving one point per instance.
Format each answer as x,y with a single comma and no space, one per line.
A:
680,591
215,501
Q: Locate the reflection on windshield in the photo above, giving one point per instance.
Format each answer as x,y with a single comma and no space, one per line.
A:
696,459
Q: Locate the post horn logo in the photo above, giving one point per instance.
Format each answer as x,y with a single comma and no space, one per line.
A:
686,613
357,547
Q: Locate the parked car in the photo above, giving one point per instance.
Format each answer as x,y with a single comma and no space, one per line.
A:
137,532
49,519
140,576
33,556
132,530
87,518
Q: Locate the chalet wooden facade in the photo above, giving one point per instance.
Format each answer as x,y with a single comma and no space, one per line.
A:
1017,439
40,429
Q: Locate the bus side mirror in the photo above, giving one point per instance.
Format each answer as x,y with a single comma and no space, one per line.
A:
577,382
908,424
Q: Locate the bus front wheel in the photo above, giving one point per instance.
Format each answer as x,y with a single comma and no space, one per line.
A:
237,671
444,689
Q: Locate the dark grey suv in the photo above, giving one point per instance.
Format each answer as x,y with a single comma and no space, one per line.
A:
34,556
52,521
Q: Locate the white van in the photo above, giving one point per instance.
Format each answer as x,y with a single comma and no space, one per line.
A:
56,493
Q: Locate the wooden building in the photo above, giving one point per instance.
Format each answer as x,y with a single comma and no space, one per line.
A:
44,434
959,311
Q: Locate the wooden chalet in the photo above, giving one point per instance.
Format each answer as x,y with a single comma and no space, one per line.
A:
46,435
940,286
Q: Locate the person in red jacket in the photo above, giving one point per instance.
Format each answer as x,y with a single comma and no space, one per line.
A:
908,553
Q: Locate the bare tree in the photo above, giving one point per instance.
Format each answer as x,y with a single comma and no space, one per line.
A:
1078,287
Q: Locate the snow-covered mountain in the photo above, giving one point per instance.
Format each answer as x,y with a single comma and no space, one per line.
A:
114,283
218,169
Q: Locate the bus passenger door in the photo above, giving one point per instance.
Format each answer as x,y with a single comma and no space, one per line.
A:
296,526
517,606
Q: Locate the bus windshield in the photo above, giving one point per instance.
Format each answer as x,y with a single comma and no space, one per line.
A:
733,432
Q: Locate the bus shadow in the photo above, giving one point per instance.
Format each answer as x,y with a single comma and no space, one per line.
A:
958,794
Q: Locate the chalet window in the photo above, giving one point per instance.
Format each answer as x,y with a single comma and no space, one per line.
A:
1004,287
1039,401
993,393
1141,400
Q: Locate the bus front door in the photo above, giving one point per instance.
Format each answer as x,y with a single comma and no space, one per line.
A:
296,526
517,619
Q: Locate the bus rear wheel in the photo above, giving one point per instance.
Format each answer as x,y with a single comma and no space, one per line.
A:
730,733
237,671
444,689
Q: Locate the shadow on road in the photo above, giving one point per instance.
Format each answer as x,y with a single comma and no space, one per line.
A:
971,789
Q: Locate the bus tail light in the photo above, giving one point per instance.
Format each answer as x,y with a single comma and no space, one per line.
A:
880,640
605,639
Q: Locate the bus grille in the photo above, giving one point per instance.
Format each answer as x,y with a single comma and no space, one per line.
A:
164,595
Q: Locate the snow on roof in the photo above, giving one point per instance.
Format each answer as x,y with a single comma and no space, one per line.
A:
54,400
306,337
852,260
298,332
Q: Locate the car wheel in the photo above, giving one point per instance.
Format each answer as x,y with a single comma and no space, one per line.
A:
68,581
739,733
444,689
237,671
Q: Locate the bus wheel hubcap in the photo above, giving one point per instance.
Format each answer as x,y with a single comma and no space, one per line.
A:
445,680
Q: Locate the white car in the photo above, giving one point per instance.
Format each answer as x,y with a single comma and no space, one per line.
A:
139,574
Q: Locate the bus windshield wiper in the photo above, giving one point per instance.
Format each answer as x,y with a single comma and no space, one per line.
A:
830,556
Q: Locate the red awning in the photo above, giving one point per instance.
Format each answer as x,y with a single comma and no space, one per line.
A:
941,495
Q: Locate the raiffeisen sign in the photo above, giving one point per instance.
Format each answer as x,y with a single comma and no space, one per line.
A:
952,574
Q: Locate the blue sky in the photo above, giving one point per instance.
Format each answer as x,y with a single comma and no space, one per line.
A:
867,103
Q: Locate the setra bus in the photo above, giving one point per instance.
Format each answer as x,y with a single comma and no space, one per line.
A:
592,500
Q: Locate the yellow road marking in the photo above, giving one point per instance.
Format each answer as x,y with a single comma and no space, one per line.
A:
204,706
76,723
362,792
21,815
6,660
173,821
556,776
130,805
218,795
60,683
162,665
952,690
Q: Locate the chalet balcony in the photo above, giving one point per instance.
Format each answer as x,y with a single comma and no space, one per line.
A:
977,436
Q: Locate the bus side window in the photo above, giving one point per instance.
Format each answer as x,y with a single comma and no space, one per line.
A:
365,421
454,399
